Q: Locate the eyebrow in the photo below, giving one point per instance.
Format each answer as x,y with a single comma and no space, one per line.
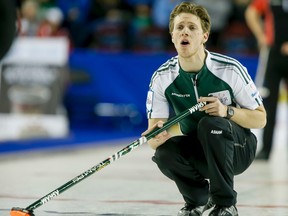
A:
184,22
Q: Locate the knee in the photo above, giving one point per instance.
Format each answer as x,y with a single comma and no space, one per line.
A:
213,128
208,123
165,157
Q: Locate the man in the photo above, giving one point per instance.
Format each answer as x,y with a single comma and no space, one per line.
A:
216,143
272,36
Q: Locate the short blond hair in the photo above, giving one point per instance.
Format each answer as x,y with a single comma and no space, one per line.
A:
197,10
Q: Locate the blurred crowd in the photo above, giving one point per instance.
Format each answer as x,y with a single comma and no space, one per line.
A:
131,25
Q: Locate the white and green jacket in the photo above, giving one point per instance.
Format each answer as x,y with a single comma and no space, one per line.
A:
221,76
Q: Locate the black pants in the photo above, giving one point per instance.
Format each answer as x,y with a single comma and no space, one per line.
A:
204,163
277,70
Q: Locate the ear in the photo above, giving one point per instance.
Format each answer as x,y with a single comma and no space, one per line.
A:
205,37
172,37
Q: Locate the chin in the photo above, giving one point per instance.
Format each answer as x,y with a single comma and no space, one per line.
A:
184,54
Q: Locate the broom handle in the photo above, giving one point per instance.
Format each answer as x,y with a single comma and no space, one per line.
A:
113,157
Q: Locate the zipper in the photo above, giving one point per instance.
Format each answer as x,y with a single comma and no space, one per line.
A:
194,81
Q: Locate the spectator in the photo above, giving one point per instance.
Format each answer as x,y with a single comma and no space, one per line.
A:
44,5
108,25
75,19
29,19
51,26
141,18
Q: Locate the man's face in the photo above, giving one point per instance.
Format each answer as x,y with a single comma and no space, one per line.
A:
188,36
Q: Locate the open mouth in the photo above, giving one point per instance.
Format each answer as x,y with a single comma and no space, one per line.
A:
185,42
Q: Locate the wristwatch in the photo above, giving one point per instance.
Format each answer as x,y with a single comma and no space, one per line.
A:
230,112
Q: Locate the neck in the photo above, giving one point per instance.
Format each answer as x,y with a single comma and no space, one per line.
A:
193,63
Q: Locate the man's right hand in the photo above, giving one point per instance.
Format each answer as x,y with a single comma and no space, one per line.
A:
160,138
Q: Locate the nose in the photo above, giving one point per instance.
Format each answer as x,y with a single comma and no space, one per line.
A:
185,31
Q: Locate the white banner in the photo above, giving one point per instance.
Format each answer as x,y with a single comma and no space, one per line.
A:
32,82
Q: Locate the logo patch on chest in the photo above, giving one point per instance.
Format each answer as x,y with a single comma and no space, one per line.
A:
223,96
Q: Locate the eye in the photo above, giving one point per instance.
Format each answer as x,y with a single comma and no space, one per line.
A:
180,27
192,27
